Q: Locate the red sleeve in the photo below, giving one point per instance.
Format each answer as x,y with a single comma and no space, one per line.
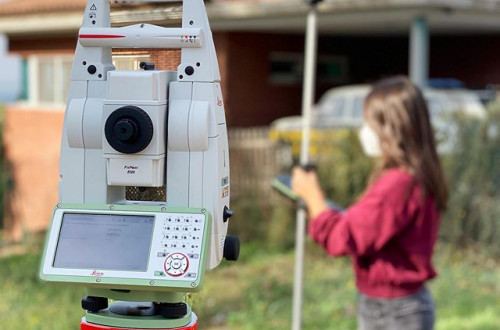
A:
368,225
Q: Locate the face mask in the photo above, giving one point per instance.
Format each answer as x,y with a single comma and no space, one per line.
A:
369,141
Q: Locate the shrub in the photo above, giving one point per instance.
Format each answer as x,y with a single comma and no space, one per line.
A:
3,176
472,172
343,169
473,215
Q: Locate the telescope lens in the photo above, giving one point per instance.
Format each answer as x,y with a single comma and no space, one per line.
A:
129,130
126,130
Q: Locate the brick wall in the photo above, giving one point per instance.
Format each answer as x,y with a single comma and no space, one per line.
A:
163,59
32,139
472,59
251,99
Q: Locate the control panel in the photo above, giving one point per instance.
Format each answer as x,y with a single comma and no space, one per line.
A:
151,246
179,246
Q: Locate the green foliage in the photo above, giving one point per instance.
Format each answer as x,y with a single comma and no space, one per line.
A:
250,219
473,216
280,234
467,291
256,293
3,176
472,171
26,303
343,168
6,181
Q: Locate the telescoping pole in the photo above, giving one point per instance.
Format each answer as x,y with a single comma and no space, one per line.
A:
307,104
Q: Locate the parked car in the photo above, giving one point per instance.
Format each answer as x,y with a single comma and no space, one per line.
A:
342,108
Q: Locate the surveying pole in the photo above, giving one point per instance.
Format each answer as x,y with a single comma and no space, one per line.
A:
307,104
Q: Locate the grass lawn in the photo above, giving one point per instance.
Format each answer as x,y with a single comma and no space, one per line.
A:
255,293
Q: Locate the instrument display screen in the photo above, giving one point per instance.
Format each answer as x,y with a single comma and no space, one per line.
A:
104,242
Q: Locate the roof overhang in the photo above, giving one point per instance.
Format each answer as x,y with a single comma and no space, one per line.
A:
359,17
340,17
41,24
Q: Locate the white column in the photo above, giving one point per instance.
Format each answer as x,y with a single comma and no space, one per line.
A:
33,81
419,52
10,72
4,44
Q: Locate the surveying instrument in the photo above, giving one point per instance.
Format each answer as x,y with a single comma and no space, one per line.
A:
159,134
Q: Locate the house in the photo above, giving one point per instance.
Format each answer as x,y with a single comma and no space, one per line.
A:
260,45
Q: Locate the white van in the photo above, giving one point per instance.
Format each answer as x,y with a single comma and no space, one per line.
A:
342,107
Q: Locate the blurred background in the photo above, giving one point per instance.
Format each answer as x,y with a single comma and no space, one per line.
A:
450,48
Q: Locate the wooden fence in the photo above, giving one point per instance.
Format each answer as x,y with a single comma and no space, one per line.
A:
254,160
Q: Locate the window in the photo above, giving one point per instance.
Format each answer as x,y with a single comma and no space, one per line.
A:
332,69
47,77
288,69
129,62
333,108
359,104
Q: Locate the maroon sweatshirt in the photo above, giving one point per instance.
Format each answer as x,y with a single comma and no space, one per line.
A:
390,233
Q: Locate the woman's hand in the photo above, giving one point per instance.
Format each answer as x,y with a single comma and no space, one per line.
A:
306,185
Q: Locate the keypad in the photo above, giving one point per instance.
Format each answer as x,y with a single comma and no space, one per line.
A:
181,244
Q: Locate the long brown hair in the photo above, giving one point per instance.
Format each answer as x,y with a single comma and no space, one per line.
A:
397,112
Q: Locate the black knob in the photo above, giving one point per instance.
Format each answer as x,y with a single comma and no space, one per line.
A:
94,304
92,69
125,130
227,214
129,129
189,70
232,248
147,66
171,310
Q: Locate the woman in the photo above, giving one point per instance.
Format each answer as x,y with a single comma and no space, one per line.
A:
391,231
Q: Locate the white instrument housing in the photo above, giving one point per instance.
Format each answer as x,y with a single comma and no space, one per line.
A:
188,154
